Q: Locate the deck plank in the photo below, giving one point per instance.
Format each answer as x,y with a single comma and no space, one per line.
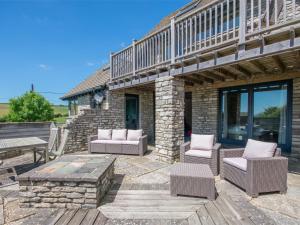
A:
100,220
204,216
78,217
230,212
65,219
54,219
215,214
194,219
90,217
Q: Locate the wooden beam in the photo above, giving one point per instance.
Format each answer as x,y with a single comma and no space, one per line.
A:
259,79
202,78
279,63
241,70
193,80
213,76
224,73
260,67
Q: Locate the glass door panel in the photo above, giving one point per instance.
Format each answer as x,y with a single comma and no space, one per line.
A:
235,115
132,112
270,114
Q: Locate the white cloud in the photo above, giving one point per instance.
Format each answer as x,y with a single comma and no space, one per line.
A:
44,66
123,45
90,64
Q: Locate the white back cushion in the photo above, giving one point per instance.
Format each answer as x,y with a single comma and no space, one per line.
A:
119,135
202,142
134,135
259,149
104,134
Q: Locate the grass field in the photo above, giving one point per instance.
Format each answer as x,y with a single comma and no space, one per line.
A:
3,109
62,110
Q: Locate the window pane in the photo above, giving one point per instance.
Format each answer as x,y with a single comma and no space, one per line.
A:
270,113
235,115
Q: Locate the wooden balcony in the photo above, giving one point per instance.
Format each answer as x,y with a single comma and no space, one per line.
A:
221,33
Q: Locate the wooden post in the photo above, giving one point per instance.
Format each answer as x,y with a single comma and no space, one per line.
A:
173,40
111,66
133,57
243,14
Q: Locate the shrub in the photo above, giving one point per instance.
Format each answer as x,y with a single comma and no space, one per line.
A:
30,107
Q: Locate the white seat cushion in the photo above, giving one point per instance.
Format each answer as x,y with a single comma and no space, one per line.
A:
104,134
240,163
107,142
119,135
199,153
130,142
202,142
259,149
134,135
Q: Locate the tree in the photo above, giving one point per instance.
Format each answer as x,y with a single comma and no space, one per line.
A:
30,107
270,112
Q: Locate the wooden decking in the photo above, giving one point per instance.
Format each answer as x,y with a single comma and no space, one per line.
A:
158,207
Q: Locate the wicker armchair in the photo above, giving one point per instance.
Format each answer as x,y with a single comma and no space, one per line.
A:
211,161
261,175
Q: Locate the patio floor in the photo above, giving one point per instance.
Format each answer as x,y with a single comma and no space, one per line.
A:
140,196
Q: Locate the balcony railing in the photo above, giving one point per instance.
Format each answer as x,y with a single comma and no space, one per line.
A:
220,23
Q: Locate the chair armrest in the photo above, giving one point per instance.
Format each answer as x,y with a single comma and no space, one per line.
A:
229,153
92,138
267,172
143,145
217,147
183,148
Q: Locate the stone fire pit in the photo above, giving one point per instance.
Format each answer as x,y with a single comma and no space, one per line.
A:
72,181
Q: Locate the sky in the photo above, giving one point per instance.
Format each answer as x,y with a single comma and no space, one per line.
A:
56,44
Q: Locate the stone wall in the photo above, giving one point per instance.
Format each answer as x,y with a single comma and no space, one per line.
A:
146,100
296,117
205,110
169,115
110,116
71,195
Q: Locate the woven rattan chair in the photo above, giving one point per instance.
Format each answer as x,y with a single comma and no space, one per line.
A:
209,157
254,175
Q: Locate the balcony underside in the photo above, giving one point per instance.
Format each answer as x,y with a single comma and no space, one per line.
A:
277,53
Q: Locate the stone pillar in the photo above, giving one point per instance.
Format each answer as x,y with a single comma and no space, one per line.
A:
169,120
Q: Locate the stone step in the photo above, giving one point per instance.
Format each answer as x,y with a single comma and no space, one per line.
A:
148,204
146,215
153,202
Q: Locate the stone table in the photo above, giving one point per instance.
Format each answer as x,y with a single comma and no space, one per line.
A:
72,181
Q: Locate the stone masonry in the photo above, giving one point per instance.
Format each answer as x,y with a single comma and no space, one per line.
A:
169,114
296,117
110,116
65,191
87,123
205,110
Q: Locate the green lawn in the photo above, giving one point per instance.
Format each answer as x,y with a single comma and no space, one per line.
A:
58,109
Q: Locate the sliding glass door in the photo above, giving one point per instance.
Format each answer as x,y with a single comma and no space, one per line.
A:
261,112
235,115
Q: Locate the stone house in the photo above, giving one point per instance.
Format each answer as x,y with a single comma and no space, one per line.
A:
228,67
83,95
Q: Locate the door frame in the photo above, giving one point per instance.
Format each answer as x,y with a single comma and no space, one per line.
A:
287,147
138,109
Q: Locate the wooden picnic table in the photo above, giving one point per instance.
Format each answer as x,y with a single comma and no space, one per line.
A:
34,144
